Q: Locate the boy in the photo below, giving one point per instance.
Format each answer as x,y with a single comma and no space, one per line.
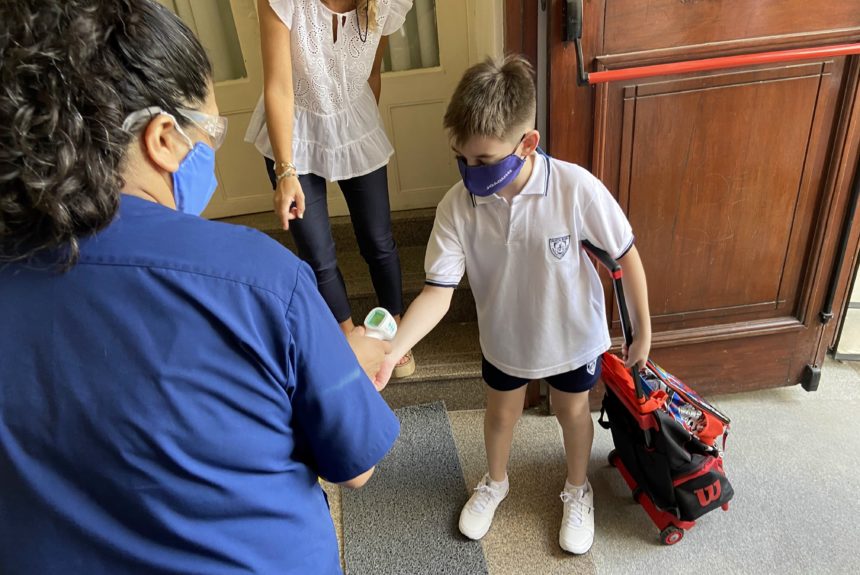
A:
515,224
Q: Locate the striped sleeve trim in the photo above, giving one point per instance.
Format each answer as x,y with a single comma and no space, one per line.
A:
440,284
626,249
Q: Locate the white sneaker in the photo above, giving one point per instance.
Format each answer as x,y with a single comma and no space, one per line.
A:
477,515
577,524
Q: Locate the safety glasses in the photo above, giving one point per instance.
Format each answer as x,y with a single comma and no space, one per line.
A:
213,126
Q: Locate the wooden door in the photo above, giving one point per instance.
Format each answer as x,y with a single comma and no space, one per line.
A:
735,181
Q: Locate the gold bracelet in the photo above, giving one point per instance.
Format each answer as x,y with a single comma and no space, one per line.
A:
289,171
284,174
281,176
287,165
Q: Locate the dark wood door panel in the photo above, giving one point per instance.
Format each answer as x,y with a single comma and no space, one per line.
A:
714,178
637,25
720,176
748,170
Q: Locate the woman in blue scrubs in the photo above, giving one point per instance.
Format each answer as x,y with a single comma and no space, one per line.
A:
170,387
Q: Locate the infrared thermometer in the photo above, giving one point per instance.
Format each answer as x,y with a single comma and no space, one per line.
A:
380,324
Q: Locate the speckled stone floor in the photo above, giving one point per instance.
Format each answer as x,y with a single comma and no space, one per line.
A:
791,457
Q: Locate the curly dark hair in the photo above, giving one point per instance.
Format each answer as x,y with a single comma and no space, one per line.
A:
70,72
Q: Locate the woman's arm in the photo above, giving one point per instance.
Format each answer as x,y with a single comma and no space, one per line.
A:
375,79
343,423
359,481
278,96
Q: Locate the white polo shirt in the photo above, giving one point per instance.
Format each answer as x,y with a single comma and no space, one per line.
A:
539,300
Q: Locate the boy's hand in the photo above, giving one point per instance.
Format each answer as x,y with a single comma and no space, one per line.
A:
369,351
385,371
637,355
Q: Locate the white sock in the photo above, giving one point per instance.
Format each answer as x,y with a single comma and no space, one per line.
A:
570,488
501,485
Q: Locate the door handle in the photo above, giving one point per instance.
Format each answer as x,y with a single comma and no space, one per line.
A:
572,32
572,20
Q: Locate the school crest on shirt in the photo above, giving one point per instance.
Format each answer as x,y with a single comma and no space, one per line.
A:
559,246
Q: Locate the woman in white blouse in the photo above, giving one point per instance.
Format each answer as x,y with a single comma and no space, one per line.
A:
318,120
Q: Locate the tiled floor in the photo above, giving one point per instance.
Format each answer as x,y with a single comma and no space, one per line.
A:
784,440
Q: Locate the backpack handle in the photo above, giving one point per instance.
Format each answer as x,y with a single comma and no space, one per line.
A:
617,273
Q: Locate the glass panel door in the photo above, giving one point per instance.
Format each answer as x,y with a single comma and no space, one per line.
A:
416,44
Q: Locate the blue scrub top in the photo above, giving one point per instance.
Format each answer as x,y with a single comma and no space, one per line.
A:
167,405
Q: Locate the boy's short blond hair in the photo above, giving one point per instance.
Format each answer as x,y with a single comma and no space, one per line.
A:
492,99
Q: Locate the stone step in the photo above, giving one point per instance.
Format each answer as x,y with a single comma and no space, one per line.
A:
448,368
362,296
451,351
458,394
410,227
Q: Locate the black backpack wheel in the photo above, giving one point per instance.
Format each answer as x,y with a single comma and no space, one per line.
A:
612,458
671,535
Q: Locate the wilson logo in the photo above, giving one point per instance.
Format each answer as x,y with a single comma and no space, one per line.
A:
709,494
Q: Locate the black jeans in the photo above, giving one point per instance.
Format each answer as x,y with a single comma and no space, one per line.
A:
370,212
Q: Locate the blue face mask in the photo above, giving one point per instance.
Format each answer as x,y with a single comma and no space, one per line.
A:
487,180
194,182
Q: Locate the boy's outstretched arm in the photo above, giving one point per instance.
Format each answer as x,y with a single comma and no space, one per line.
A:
636,292
426,311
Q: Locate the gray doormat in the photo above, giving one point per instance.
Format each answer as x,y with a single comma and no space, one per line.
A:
404,521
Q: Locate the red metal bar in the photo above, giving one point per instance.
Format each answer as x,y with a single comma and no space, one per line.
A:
723,62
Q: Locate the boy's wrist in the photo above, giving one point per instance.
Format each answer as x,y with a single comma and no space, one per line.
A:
642,333
397,349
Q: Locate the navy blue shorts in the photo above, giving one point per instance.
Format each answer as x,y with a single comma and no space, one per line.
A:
576,381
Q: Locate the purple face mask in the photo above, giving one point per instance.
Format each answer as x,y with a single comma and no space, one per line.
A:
487,180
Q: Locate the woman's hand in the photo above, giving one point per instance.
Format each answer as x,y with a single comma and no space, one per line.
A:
289,200
383,375
369,351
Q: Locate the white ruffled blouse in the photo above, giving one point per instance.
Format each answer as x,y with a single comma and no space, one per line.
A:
337,130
